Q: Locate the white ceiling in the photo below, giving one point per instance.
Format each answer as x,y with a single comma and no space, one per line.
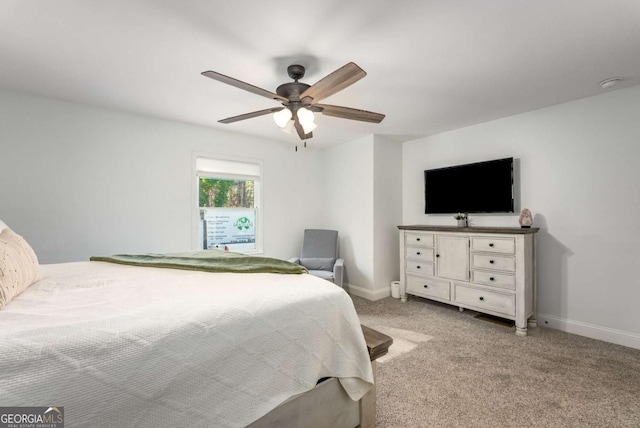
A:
432,65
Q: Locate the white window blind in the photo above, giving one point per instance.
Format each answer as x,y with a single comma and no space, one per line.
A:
224,168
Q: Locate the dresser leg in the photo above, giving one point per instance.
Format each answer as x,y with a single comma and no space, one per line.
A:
533,322
461,309
521,331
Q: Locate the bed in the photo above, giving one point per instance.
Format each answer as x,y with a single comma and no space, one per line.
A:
121,345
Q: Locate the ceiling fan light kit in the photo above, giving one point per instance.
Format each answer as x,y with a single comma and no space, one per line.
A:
300,101
288,129
306,119
282,117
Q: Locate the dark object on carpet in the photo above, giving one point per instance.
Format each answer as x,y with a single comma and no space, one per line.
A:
495,320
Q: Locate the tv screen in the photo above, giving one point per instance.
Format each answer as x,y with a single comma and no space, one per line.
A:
483,187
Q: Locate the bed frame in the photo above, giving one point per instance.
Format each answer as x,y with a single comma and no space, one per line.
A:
328,405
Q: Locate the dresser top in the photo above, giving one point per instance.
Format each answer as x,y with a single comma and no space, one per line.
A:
505,230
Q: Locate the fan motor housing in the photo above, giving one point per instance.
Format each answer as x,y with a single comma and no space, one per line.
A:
292,90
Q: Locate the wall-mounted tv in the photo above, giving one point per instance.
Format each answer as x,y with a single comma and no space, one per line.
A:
482,187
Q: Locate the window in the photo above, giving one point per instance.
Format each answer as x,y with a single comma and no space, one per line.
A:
228,204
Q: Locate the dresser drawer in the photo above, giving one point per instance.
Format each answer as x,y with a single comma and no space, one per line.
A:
488,300
493,245
428,287
419,253
424,268
417,238
485,261
494,278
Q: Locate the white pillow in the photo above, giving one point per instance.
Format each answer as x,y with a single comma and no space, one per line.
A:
18,266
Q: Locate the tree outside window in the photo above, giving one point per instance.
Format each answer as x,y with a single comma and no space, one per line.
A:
215,192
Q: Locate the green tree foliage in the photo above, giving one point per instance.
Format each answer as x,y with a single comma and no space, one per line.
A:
216,192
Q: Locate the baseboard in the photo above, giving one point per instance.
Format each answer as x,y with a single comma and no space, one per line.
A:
368,294
619,337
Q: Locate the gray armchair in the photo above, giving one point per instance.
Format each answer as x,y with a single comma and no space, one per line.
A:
320,255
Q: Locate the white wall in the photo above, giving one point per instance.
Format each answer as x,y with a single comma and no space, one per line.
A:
579,176
349,208
364,203
387,213
78,181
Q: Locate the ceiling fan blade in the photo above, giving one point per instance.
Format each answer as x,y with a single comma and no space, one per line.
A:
242,85
350,113
300,131
338,80
250,115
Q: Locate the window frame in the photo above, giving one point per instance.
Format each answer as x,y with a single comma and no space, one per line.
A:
195,199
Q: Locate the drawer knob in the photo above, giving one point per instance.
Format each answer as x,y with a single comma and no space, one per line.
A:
481,298
418,267
491,261
417,239
437,255
491,244
418,253
491,278
426,286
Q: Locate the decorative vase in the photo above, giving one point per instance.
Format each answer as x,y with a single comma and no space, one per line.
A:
526,219
462,222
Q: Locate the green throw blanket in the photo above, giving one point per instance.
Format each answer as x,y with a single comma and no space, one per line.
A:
208,261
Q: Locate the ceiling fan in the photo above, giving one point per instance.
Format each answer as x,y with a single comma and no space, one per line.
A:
300,101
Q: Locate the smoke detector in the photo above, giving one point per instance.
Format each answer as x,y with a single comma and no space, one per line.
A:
607,83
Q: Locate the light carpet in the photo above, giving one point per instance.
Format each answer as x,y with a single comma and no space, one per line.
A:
449,369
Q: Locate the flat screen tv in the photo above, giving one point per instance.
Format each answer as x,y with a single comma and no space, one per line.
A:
482,187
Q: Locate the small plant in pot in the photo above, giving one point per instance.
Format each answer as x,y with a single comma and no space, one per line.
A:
462,219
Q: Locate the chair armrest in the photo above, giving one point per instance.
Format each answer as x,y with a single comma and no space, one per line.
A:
338,272
295,260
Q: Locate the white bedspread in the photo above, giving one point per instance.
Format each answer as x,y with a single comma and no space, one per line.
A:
146,347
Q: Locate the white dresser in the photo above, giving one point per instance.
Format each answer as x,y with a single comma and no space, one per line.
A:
489,270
